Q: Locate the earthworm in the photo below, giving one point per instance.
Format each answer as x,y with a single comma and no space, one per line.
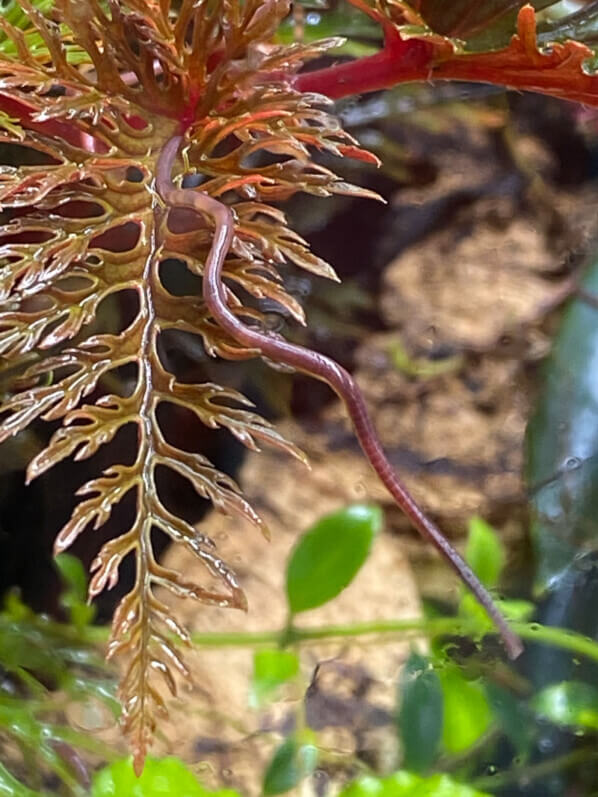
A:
279,350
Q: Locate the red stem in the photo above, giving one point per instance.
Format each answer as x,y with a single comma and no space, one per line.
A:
317,365
558,72
375,72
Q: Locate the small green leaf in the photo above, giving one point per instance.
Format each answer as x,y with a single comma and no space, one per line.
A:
271,668
291,763
420,714
569,703
467,713
329,555
160,778
405,784
74,596
517,611
485,552
394,786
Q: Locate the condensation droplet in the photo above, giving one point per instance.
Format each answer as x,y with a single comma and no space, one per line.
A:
545,745
572,463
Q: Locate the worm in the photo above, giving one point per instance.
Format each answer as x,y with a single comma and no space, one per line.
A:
276,348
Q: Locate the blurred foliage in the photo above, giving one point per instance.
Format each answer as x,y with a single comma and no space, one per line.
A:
406,784
453,711
47,667
161,777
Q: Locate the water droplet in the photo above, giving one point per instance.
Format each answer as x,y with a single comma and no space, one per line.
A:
545,745
572,463
491,769
273,322
313,18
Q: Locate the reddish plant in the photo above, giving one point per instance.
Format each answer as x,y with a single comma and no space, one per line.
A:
109,97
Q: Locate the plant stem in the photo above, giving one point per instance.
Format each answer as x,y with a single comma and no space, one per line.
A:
533,632
534,771
558,637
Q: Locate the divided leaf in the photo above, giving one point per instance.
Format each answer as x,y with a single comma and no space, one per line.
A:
89,94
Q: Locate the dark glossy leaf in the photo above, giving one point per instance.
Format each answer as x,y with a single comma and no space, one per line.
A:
467,713
562,441
292,762
464,18
573,704
485,552
271,668
161,777
420,718
512,715
329,555
581,26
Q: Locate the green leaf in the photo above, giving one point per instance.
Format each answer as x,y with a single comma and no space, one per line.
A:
467,713
271,668
329,555
160,778
513,717
561,468
368,786
74,596
292,762
485,552
405,784
570,703
420,714
516,611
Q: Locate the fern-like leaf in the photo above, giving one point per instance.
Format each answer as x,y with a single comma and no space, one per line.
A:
92,91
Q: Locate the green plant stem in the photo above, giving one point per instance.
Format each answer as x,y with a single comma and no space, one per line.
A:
534,771
290,635
559,637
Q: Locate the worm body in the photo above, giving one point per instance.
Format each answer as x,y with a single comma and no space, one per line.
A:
317,365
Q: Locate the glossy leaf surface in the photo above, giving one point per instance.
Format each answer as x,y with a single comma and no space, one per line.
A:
485,552
420,718
329,555
572,704
467,713
562,441
293,761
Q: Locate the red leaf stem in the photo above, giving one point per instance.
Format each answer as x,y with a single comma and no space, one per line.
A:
558,70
